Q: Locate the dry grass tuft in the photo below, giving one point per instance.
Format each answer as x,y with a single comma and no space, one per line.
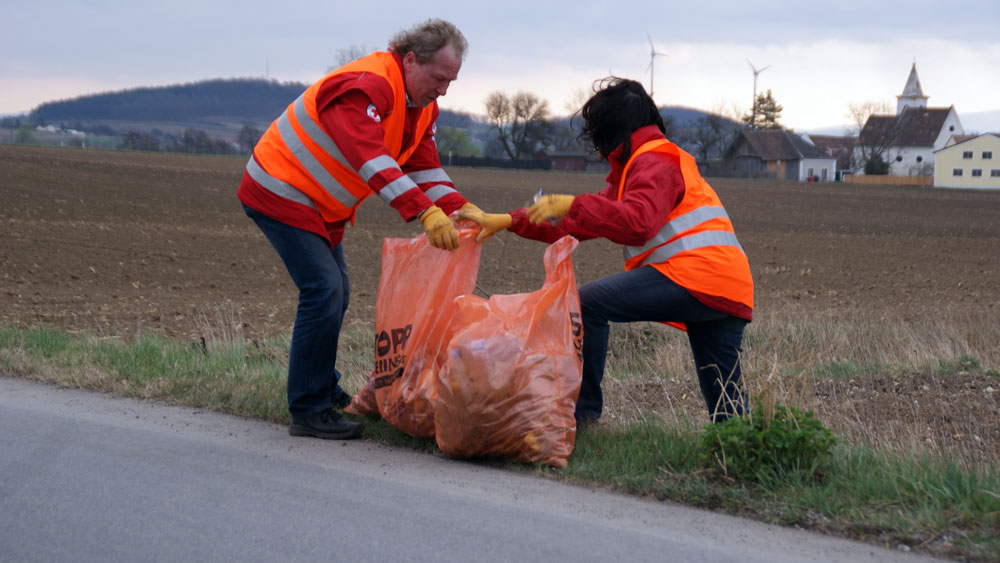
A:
222,324
896,384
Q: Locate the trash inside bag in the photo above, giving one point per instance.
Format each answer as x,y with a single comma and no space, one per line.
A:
509,385
495,377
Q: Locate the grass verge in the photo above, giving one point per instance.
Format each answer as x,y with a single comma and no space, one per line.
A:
892,497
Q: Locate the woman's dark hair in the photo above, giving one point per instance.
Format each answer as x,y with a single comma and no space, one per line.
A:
618,107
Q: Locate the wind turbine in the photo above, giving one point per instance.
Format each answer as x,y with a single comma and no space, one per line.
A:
753,111
652,57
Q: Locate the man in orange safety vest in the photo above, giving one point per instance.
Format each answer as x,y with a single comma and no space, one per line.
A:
365,128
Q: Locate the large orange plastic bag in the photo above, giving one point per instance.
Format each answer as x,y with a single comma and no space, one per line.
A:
413,308
512,377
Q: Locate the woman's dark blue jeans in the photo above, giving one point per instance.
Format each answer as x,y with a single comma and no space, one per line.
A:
644,294
320,274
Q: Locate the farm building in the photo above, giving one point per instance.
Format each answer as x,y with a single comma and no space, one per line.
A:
969,161
776,153
838,147
573,161
566,160
913,134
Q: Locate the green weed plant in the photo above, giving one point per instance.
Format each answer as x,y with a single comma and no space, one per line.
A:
762,446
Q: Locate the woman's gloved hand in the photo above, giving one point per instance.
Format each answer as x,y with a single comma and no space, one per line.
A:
490,222
549,207
469,206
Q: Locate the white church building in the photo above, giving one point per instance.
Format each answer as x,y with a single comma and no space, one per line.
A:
915,132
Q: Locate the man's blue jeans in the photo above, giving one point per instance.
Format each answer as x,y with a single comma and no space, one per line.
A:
644,294
320,273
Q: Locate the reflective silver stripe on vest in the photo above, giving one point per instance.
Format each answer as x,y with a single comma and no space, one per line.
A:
431,175
691,242
437,192
276,186
376,165
307,160
678,225
393,189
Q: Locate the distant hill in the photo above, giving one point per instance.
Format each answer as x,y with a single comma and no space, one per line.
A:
236,99
223,107
684,117
212,104
256,100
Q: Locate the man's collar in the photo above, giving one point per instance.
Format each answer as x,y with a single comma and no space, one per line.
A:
402,71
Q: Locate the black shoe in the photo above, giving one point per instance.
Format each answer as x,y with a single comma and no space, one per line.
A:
328,424
341,402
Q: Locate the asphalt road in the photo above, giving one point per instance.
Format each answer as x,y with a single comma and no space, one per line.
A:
90,477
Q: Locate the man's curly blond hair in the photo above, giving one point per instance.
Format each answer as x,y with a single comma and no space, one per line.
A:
427,38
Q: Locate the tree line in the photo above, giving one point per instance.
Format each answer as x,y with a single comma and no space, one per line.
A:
191,140
517,126
521,126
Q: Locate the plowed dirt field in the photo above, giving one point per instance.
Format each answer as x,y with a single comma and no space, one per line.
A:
111,243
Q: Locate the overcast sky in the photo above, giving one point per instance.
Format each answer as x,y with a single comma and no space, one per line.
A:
819,56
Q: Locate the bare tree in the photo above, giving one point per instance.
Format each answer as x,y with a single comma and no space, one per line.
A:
730,110
565,135
576,100
248,137
521,121
877,129
566,138
352,53
710,134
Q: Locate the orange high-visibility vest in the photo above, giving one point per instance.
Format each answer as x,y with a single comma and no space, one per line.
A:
298,160
697,246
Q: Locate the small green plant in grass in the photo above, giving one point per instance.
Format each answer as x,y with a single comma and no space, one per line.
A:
963,364
838,369
764,445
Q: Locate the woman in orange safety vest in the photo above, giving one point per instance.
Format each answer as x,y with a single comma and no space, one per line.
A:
683,263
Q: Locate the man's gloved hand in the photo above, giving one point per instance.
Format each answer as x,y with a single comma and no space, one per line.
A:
490,222
440,230
549,207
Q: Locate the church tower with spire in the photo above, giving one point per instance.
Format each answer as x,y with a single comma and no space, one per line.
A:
912,96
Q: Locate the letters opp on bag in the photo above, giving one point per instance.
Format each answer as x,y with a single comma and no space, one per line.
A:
390,356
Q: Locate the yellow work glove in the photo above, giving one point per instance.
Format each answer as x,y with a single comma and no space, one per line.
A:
469,206
440,230
549,207
490,222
